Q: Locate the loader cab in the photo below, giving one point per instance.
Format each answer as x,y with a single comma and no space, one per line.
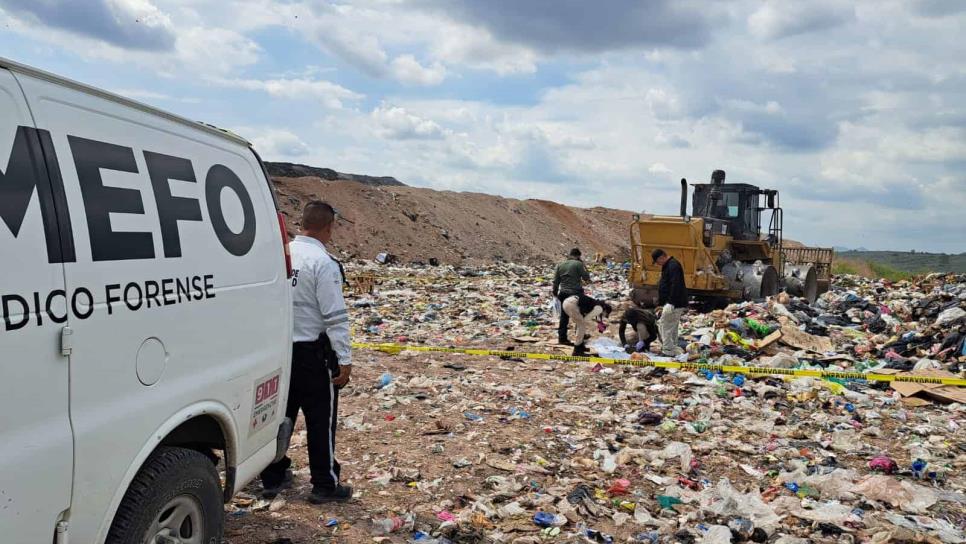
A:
737,204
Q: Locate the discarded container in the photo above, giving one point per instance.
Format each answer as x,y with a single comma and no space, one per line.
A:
619,487
546,519
667,501
742,527
919,468
392,524
884,464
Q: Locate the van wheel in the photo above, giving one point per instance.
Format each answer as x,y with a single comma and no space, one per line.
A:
174,499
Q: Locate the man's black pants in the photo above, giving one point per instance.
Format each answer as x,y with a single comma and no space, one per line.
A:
564,318
311,390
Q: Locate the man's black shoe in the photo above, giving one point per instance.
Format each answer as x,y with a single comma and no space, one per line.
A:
565,342
339,493
269,493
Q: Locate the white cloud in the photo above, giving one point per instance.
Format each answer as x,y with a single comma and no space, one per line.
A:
362,50
135,24
664,104
406,68
859,121
194,51
275,144
478,49
326,92
781,18
212,51
396,123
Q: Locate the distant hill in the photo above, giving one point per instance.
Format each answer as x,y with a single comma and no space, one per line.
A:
906,261
292,170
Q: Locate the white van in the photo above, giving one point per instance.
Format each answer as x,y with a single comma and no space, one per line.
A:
146,318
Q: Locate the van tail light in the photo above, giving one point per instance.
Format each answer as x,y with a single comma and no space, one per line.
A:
288,256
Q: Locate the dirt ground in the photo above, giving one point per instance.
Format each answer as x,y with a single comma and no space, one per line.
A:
453,434
396,437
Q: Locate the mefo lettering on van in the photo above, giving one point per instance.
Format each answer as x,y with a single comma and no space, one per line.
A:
21,181
146,317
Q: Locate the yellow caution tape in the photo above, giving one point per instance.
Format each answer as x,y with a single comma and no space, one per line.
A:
693,367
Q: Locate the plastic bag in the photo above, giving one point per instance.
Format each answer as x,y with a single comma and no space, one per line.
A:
906,495
717,534
608,348
724,500
675,449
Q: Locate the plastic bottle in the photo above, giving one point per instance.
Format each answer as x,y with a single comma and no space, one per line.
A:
742,527
919,468
388,525
758,327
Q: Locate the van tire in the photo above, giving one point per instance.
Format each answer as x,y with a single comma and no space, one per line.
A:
168,474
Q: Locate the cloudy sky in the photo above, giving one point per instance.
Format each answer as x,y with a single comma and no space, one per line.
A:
856,112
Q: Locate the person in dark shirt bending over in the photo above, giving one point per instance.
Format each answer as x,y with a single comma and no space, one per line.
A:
568,281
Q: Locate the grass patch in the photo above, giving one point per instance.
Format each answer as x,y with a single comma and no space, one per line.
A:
887,272
841,266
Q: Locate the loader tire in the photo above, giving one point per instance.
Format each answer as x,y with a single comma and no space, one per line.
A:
176,493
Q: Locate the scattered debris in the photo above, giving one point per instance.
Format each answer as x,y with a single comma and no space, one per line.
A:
484,449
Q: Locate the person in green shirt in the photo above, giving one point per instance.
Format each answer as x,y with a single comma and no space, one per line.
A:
568,281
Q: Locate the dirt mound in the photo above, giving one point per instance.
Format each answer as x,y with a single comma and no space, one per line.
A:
456,228
291,170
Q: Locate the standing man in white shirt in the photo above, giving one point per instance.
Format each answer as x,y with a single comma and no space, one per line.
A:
321,363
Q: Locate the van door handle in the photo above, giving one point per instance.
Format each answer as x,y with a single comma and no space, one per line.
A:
66,341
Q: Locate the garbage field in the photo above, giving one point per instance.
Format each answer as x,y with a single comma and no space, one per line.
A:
453,447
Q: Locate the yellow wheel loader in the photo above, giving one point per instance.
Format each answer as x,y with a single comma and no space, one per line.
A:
725,254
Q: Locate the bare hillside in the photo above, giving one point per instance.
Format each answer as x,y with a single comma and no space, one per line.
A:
418,224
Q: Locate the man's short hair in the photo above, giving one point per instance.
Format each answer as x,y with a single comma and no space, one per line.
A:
575,252
316,215
657,254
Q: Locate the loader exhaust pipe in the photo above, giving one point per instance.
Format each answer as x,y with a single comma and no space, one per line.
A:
684,197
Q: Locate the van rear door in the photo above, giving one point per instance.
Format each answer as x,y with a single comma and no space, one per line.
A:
36,451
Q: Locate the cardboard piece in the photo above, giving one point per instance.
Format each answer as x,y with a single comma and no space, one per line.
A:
914,402
792,336
768,340
933,391
947,393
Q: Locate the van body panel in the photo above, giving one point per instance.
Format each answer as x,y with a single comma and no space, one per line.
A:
36,452
182,301
216,410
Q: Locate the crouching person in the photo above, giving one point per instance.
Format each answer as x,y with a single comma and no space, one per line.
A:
644,323
586,311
